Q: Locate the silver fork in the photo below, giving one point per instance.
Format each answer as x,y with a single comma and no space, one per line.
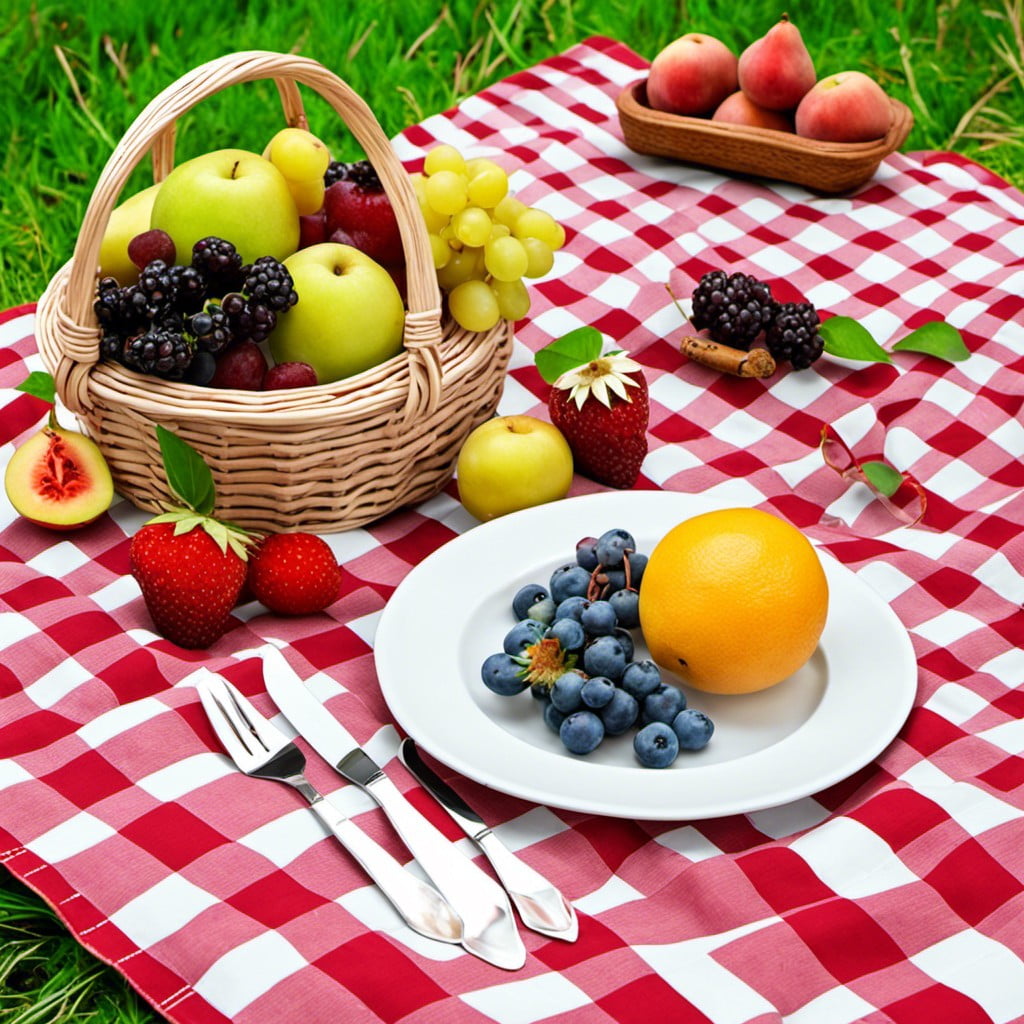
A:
261,750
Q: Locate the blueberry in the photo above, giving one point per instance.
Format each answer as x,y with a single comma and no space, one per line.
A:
597,692
565,693
522,635
693,729
626,605
598,618
525,598
619,713
569,633
542,611
624,638
586,556
553,718
605,657
656,745
570,580
571,608
663,704
609,581
641,678
501,674
583,731
612,545
637,564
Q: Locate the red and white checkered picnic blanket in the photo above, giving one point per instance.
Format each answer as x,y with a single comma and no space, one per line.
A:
896,895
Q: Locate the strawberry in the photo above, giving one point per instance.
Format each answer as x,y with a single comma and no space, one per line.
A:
294,573
602,409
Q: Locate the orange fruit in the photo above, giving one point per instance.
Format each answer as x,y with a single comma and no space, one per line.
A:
733,601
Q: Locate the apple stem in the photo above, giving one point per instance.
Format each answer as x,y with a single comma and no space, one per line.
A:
234,169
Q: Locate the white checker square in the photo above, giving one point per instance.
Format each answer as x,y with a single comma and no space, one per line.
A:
761,210
11,773
286,837
965,313
924,295
162,910
852,860
664,322
736,492
120,720
828,294
70,838
656,266
324,687
947,627
818,239
720,229
1009,736
927,243
61,680
981,968
776,261
15,627
59,560
923,197
973,809
948,396
875,216
241,976
798,470
555,322
881,324
606,232
350,544
564,159
974,267
801,390
689,843
652,212
933,543
117,593
955,480
675,393
836,1006
956,703
855,425
850,504
1000,575
974,218
532,827
186,776
879,268
885,579
788,819
741,429
616,291
981,368
542,997
1009,435
613,894
661,464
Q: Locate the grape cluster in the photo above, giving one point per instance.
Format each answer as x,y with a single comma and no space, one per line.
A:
178,320
737,309
484,240
573,647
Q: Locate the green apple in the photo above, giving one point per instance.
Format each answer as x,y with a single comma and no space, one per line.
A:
510,463
232,194
127,220
349,317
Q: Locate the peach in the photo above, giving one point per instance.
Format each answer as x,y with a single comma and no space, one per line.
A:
739,108
846,107
692,75
776,71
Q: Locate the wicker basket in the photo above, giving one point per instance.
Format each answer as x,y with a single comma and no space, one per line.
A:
829,167
323,458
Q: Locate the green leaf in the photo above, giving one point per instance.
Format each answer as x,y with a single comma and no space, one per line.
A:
566,353
936,338
188,476
846,338
882,477
39,384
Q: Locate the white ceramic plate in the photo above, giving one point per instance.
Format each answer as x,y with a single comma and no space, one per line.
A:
815,728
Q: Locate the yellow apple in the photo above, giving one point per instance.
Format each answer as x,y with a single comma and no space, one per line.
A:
232,194
510,463
127,220
349,317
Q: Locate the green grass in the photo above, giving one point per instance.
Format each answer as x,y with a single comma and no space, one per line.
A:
75,75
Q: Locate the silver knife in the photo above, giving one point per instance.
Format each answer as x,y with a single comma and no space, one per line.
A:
489,927
541,906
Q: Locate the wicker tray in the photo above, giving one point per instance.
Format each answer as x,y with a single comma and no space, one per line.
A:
829,167
323,458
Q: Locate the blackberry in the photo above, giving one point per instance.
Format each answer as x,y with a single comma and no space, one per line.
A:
734,308
793,334
189,289
249,321
160,351
112,347
361,172
268,283
219,263
211,329
156,283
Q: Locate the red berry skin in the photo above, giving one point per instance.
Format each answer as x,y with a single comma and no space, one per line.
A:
366,216
312,229
188,584
242,367
294,574
289,375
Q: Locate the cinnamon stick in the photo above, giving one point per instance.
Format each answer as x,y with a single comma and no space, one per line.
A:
758,362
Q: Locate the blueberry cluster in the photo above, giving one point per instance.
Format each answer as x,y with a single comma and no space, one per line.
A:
177,319
737,308
572,645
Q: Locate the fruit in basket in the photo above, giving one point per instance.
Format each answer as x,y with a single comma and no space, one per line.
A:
127,220
151,245
740,109
58,478
302,158
509,463
349,316
294,573
232,194
357,212
733,601
692,75
776,71
289,375
846,107
242,367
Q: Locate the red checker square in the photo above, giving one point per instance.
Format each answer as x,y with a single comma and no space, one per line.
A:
738,464
935,1004
783,879
659,1000
21,415
173,835
331,647
418,542
957,439
595,939
828,268
608,209
899,816
845,939
34,731
616,323
77,632
275,900
613,841
878,295
35,592
973,882
134,676
950,586
307,995
1006,776
87,779
369,967
677,430
927,732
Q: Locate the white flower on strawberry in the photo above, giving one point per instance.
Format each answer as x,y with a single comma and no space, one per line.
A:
610,372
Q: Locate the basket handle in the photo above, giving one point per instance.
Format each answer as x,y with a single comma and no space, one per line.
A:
154,130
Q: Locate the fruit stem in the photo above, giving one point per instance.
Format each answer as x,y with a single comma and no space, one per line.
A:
758,362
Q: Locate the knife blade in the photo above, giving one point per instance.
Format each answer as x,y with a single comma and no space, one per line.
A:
541,906
489,928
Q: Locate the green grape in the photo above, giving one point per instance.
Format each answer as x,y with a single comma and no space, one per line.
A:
447,192
472,226
444,158
539,257
464,265
474,306
499,231
488,183
441,251
505,259
508,211
513,299
298,154
534,223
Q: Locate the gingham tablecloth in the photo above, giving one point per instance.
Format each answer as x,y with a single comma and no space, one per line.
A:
893,896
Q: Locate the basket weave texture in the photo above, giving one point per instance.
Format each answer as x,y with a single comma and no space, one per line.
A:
324,458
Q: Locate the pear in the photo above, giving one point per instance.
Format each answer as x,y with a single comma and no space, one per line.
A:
776,71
